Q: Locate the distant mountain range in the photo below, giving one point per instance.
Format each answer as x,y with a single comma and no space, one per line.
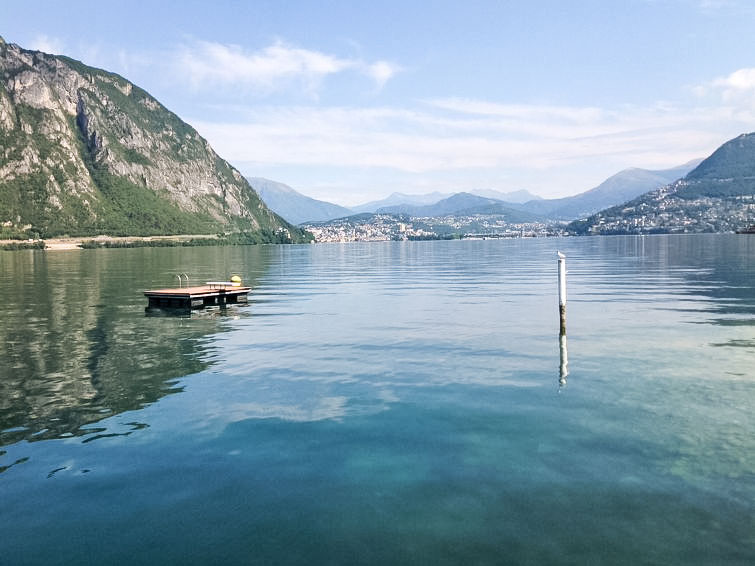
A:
520,196
403,200
298,208
619,188
464,204
450,204
294,206
716,196
518,206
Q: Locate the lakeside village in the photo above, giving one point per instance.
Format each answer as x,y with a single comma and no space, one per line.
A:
667,214
663,214
383,227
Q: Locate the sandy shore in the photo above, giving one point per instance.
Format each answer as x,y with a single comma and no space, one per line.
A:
63,244
75,243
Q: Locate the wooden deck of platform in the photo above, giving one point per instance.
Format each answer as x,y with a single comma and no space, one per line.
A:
213,293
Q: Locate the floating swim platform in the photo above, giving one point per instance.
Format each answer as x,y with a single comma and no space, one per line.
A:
212,293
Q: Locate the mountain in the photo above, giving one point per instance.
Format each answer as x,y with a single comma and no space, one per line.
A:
716,196
453,204
730,170
86,152
463,204
401,201
517,197
294,206
619,188
505,211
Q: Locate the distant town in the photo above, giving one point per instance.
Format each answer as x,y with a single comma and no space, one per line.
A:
383,227
714,195
666,213
662,213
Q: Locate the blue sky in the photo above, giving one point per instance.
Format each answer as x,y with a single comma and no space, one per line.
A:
351,101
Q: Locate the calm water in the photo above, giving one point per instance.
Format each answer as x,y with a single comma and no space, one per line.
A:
385,403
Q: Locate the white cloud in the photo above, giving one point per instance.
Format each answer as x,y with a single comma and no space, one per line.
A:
47,44
272,68
739,84
732,95
520,111
462,143
432,140
381,72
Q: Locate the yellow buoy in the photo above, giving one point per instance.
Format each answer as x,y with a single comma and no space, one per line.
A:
236,280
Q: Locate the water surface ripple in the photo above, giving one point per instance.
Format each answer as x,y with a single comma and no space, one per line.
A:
383,403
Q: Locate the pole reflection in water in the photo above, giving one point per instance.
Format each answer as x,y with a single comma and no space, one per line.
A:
563,368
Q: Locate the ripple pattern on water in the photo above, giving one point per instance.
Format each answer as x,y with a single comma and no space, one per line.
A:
398,402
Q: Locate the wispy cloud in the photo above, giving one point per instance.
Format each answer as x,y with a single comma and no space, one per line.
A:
519,111
732,95
48,44
548,148
381,72
448,135
736,86
272,68
436,144
712,7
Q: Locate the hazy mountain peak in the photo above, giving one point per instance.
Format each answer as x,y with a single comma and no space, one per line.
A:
520,196
397,199
294,206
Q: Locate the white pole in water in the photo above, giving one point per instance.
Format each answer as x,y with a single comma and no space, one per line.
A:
562,290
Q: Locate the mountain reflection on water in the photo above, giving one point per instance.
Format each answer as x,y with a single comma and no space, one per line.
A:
384,403
77,347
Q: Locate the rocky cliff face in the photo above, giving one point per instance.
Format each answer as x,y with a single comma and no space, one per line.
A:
84,151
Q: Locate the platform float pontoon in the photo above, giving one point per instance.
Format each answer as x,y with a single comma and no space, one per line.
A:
212,293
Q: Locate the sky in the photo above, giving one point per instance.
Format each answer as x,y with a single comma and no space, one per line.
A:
350,101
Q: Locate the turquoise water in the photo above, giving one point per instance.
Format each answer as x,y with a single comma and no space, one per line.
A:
383,403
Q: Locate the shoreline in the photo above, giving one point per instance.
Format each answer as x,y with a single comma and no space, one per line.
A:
76,243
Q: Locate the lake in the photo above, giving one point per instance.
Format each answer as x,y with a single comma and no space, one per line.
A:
382,403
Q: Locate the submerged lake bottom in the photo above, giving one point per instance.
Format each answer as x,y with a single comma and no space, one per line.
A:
383,403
